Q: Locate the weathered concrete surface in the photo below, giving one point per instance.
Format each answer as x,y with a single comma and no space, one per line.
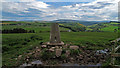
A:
55,33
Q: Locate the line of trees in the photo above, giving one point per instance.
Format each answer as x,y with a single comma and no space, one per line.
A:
74,29
17,30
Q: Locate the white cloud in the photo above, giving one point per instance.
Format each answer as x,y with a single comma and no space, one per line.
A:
97,10
18,0
27,0
38,5
16,7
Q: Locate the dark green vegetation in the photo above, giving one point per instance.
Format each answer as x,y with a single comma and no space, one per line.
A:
15,44
86,23
105,27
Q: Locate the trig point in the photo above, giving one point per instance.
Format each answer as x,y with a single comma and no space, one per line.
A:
55,35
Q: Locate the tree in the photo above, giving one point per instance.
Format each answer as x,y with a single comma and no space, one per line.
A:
115,30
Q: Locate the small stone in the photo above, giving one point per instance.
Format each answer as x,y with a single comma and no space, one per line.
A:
16,58
60,47
44,46
71,59
38,62
38,50
27,59
103,60
80,57
74,47
64,61
56,47
87,51
52,49
37,47
58,52
54,57
33,52
83,47
67,53
19,56
25,65
44,43
36,55
65,46
29,53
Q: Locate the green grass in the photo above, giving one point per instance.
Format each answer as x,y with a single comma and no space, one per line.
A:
106,27
21,43
37,27
114,23
94,37
17,44
109,28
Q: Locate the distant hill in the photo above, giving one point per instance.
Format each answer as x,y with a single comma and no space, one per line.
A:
115,21
113,26
86,23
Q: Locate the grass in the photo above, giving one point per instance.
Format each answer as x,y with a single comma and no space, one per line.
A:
106,27
34,27
20,43
114,23
110,28
17,44
83,37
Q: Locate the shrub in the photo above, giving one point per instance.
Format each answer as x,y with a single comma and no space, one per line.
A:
63,56
74,52
24,43
5,48
47,55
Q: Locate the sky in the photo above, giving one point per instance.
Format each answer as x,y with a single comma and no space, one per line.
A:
48,0
48,10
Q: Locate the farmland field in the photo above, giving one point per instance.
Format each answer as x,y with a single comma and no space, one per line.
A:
106,27
110,28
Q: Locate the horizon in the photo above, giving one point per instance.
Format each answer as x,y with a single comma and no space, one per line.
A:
64,19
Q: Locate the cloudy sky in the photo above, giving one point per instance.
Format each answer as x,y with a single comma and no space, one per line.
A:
48,10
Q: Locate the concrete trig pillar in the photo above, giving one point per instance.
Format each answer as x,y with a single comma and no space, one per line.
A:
55,33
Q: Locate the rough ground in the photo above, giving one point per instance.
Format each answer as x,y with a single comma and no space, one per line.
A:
85,57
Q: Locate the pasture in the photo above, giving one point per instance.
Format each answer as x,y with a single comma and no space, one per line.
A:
16,44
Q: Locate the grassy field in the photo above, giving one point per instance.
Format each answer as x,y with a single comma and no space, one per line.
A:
106,27
15,44
110,28
37,27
